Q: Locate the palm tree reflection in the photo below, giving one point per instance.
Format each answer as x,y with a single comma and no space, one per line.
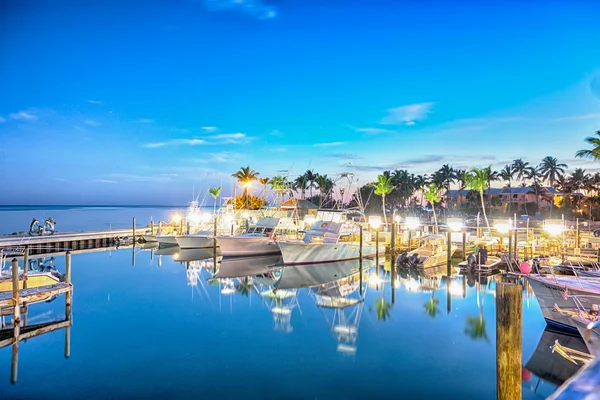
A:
475,328
431,307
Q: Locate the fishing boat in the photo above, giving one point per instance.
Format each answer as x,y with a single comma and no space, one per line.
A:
479,263
333,237
432,252
246,266
304,276
556,293
45,274
259,239
590,332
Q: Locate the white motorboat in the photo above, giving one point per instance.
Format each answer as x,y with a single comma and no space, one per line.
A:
331,238
432,252
555,295
195,241
167,240
246,266
185,255
304,276
150,238
485,264
259,239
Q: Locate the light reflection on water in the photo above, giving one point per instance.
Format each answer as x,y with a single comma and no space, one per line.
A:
179,330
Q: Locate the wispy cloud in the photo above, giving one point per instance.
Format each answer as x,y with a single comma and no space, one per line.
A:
104,181
144,121
374,131
94,101
145,178
91,122
176,142
407,115
580,117
210,128
255,8
225,156
329,144
2,120
24,116
276,132
229,137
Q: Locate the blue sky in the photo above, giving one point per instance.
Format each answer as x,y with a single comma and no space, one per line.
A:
136,102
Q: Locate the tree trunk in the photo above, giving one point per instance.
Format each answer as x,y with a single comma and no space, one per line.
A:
383,207
483,209
434,217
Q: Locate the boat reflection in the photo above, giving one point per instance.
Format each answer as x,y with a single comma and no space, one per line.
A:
548,365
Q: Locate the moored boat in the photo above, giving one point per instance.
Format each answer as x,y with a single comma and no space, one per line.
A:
432,252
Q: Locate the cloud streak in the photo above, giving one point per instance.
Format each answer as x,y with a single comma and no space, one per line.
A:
407,115
254,8
221,138
175,142
374,131
329,144
2,120
24,116
91,122
109,181
97,102
581,117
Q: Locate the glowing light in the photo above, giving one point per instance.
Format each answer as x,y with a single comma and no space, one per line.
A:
455,288
176,218
502,227
397,219
554,228
455,224
176,256
245,214
193,218
309,220
229,219
375,221
248,184
412,222
412,285
374,280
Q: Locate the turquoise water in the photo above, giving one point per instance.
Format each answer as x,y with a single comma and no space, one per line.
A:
150,331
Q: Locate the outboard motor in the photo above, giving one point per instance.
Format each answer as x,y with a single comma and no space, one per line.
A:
471,261
402,259
535,264
413,260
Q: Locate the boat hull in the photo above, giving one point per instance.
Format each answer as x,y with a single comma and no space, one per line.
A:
492,265
150,238
165,241
239,246
550,291
194,241
591,338
309,253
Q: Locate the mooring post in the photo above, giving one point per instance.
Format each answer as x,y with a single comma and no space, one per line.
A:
68,341
510,244
15,289
25,266
449,254
68,279
160,225
133,231
393,263
464,245
151,227
409,239
577,238
360,258
377,251
14,361
187,229
509,309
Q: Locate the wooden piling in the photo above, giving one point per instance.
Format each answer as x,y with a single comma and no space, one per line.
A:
14,361
409,239
68,277
464,245
15,291
25,266
151,227
187,228
133,232
360,258
68,341
449,254
509,309
393,263
377,252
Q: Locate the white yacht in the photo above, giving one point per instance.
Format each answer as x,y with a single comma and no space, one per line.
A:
555,295
304,276
260,239
432,252
331,238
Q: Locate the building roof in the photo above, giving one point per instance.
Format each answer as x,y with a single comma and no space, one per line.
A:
298,203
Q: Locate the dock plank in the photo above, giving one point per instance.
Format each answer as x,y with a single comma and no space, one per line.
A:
34,294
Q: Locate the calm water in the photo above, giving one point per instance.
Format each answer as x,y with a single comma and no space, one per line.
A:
155,330
78,218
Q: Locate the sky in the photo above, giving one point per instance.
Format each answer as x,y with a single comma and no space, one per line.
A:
144,102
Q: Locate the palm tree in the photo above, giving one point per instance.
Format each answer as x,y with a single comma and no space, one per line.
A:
383,187
506,174
477,180
492,177
431,307
550,170
264,182
594,153
325,185
245,176
459,176
432,196
215,192
300,184
578,180
534,174
311,178
519,167
278,184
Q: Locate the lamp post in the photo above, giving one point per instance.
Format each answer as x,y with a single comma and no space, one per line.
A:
375,222
454,225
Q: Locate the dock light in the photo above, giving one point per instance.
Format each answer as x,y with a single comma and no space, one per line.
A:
309,221
374,280
455,224
455,288
375,221
503,227
554,227
397,219
412,222
176,256
412,285
176,218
